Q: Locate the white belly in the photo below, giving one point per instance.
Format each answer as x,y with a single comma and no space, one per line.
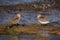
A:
46,22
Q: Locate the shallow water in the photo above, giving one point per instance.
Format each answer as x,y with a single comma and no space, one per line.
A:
14,2
43,35
29,17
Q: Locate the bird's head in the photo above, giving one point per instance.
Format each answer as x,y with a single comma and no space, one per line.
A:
18,15
39,15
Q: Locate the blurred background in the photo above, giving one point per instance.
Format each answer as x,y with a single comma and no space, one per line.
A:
29,10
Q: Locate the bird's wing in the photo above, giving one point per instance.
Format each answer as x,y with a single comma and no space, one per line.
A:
44,19
14,18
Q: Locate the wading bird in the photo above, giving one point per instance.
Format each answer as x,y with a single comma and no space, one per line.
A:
42,19
15,20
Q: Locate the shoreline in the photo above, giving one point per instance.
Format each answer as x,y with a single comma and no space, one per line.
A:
30,29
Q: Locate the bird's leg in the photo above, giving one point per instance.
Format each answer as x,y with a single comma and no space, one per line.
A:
11,26
23,25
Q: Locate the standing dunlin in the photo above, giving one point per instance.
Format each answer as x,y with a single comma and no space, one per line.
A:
15,20
42,19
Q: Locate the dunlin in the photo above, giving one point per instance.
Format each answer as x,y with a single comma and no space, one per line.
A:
15,20
42,19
